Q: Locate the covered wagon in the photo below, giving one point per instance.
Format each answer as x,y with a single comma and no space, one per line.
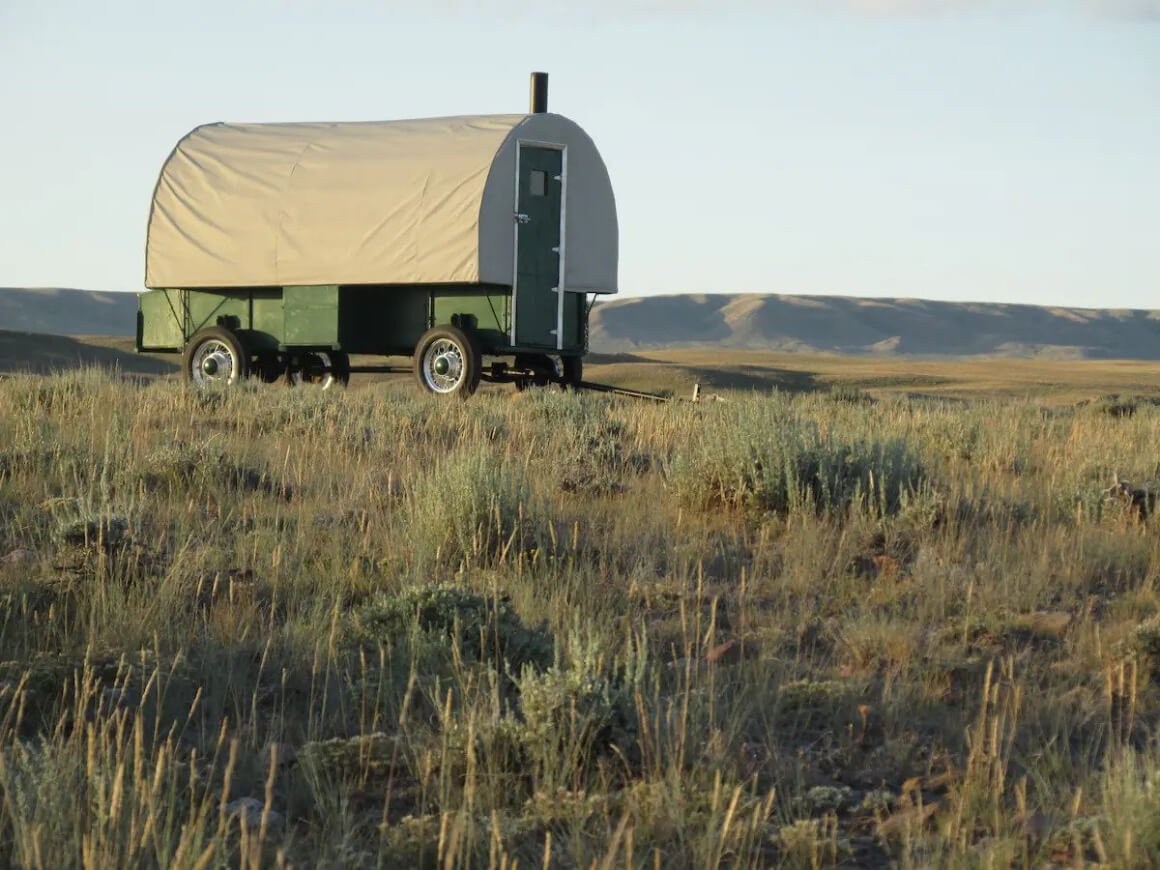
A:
475,245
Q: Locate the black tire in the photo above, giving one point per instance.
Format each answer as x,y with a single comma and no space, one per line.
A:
571,372
319,368
451,349
269,367
215,357
341,362
538,378
539,370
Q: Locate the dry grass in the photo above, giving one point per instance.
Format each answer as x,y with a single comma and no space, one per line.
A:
807,630
1060,381
746,371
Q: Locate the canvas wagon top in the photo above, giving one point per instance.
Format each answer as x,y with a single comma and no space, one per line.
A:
428,201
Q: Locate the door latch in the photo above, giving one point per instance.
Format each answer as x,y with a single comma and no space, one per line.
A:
522,218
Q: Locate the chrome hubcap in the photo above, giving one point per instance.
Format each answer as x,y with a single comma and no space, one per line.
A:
214,363
443,366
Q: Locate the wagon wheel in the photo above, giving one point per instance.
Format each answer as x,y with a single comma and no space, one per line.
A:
540,377
447,362
320,368
215,357
269,366
541,371
572,372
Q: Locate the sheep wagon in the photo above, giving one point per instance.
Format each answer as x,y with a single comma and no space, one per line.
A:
275,251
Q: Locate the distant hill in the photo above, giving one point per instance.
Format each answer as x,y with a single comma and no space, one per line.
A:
840,324
60,311
821,324
35,352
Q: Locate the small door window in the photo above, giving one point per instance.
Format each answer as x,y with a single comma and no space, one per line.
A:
539,182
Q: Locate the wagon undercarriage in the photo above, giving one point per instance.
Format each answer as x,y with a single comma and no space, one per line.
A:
456,335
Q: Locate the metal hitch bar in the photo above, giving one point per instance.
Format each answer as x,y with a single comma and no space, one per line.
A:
638,394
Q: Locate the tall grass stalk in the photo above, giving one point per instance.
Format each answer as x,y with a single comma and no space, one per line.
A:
259,627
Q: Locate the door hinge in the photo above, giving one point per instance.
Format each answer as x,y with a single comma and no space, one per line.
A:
551,332
556,249
522,218
555,289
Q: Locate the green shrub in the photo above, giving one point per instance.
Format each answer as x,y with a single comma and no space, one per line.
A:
484,629
103,531
823,799
201,466
1142,646
341,761
804,703
76,523
1129,794
571,716
473,505
581,709
768,459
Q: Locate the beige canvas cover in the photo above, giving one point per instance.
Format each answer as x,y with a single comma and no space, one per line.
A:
427,201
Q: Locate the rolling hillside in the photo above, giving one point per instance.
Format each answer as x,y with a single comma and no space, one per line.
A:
60,311
773,322
838,324
43,354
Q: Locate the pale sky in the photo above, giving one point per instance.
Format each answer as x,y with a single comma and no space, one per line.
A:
944,149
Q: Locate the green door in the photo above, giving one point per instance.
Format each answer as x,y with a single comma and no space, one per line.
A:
538,209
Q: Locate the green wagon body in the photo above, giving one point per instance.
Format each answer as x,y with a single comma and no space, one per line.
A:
360,319
285,244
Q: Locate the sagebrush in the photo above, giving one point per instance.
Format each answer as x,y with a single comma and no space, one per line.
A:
265,626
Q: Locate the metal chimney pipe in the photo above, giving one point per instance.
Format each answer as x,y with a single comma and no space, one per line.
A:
539,93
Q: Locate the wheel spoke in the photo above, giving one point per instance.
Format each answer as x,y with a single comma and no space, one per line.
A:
214,362
316,368
443,367
447,362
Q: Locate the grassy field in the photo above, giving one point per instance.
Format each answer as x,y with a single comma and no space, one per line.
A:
886,616
676,371
970,378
